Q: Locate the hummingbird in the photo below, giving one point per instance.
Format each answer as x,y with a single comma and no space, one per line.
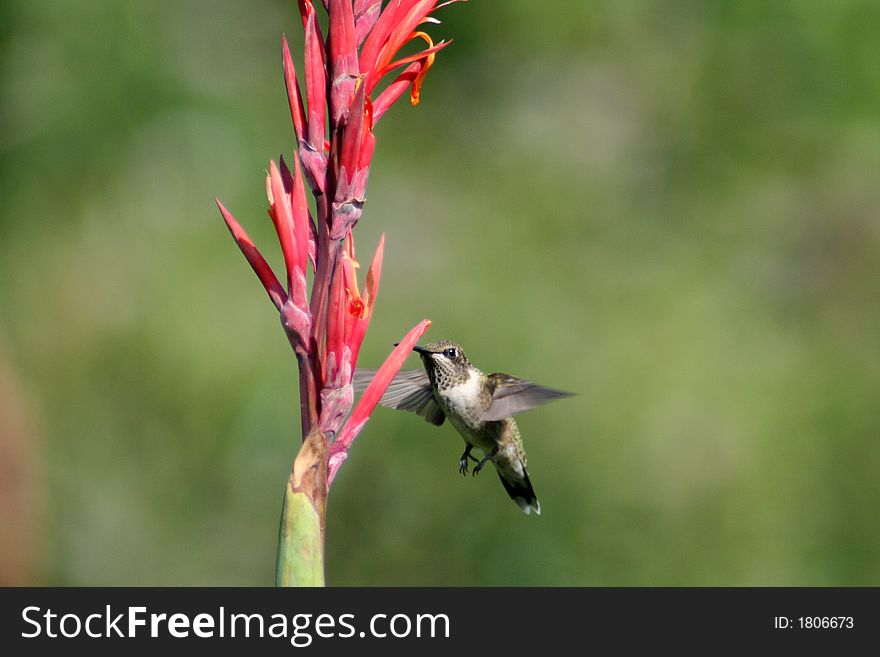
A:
480,407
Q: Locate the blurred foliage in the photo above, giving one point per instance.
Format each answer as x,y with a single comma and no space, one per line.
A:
670,208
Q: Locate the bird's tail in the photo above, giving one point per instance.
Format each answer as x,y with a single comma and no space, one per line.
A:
520,490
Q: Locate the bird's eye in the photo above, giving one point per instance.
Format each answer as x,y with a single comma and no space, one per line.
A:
450,353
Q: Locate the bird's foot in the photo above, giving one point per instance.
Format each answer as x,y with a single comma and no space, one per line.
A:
463,461
483,461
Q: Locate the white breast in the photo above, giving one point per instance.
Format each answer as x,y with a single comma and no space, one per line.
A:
464,394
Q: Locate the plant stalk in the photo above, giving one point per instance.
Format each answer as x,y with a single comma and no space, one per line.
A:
300,557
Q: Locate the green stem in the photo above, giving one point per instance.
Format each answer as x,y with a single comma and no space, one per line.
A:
300,558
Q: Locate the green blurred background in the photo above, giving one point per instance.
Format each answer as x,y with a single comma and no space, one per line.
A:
669,208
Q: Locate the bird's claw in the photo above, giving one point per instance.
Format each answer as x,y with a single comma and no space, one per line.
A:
479,466
463,466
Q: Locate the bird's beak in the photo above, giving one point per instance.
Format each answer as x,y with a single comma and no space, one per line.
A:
417,349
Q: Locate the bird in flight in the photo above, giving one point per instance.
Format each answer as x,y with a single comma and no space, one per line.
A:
480,407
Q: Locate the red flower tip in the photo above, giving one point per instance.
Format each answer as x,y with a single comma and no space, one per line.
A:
305,9
303,229
281,212
294,96
261,268
316,95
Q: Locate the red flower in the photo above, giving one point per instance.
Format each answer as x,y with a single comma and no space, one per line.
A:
348,317
290,215
333,125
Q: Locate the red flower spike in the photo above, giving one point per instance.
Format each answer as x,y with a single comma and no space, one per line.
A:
366,404
336,86
261,268
294,96
343,58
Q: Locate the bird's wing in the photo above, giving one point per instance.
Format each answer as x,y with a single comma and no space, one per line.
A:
409,390
362,378
511,395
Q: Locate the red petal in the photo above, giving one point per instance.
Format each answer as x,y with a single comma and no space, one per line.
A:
335,325
366,13
257,262
305,8
371,396
395,90
374,274
301,229
282,218
371,289
351,143
399,35
316,84
294,96
411,58
343,56
380,32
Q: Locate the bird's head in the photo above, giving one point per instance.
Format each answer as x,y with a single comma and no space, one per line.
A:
444,359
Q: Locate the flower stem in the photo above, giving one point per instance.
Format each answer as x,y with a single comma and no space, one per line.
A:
300,557
307,393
